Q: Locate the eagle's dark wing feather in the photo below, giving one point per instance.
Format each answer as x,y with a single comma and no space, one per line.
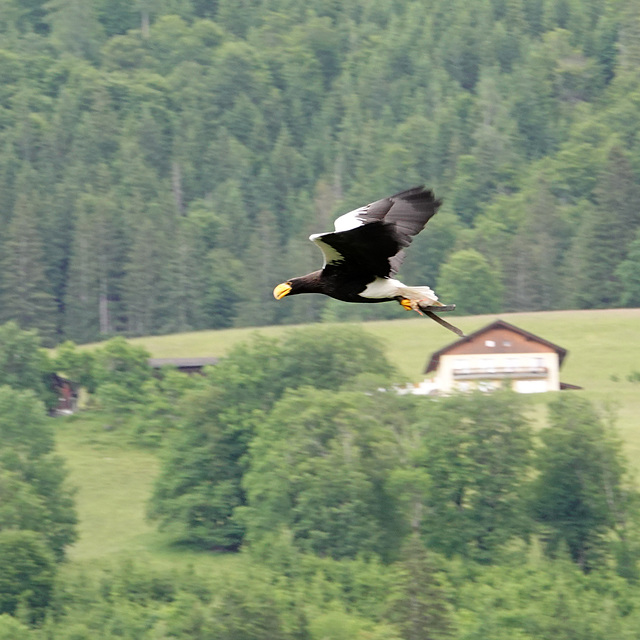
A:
375,234
367,248
412,210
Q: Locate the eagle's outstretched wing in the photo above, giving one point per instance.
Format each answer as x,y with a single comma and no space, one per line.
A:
372,237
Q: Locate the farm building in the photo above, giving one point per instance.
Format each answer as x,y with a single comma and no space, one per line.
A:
185,365
66,392
497,354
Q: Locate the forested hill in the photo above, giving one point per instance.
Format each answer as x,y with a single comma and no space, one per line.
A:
162,162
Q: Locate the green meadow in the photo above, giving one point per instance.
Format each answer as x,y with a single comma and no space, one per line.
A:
603,346
114,479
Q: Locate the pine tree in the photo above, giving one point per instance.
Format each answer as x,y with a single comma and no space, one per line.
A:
81,299
261,269
185,286
75,25
533,264
628,272
92,301
144,289
420,606
606,231
25,295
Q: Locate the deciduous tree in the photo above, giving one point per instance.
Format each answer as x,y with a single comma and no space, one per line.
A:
470,282
478,460
26,573
200,487
580,496
312,471
23,363
36,497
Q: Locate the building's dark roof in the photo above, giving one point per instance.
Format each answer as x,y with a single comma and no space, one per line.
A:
497,324
182,363
57,381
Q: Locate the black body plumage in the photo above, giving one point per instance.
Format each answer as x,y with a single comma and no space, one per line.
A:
367,245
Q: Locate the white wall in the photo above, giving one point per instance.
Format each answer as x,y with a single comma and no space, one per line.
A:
495,362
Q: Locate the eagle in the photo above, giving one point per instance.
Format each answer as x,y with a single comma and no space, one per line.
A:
364,253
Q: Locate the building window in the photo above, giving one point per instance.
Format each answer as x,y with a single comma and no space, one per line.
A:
489,343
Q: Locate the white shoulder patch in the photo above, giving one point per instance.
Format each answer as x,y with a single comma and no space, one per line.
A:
350,220
382,288
331,255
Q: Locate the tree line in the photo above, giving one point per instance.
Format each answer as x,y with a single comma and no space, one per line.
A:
357,512
161,163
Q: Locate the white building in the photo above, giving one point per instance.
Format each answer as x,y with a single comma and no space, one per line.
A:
493,356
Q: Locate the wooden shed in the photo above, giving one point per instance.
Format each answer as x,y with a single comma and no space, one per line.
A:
186,365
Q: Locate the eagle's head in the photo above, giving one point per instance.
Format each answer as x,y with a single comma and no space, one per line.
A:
311,283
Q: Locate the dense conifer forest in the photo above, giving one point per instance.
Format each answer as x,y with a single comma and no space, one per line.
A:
162,162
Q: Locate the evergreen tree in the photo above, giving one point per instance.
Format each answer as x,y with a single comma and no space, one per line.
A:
628,272
25,295
92,303
534,262
420,606
81,300
186,279
75,26
223,292
260,270
607,229
145,282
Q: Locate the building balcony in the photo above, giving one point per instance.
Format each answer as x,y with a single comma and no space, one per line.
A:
493,373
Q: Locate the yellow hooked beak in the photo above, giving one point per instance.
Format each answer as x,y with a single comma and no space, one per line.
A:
281,290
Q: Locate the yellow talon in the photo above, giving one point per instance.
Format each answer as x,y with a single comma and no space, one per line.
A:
411,305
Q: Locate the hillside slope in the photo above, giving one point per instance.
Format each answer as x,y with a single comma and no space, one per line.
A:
114,479
603,346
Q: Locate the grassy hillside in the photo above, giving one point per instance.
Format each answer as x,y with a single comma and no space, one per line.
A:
603,341
114,480
603,345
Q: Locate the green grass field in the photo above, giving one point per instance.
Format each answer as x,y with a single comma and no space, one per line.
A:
112,484
603,345
114,479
